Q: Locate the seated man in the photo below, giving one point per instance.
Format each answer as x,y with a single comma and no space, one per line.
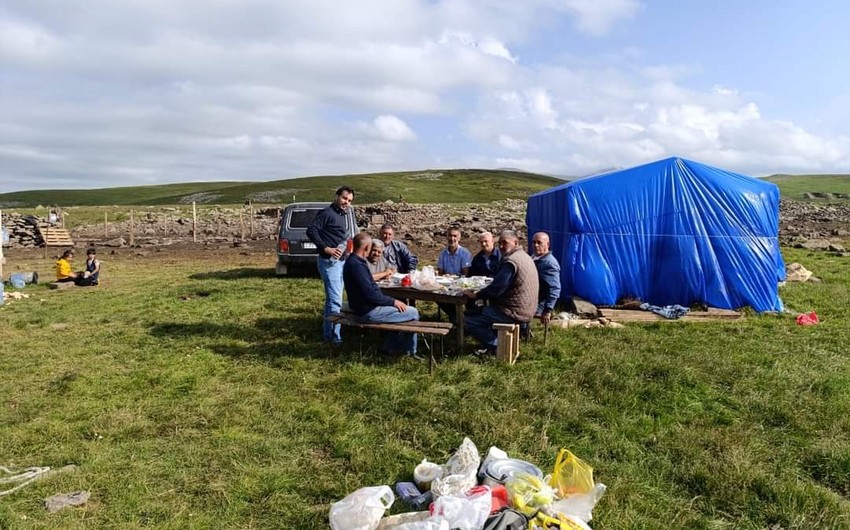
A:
486,262
549,275
64,273
512,296
370,305
454,259
397,254
378,265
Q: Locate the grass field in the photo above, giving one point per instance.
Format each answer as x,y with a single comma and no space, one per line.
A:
192,392
795,186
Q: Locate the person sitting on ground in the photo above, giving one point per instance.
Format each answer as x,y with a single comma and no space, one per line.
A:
512,296
92,273
397,254
378,265
64,272
549,277
370,305
454,259
486,262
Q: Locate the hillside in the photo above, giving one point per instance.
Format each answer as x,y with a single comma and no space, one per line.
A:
797,186
446,186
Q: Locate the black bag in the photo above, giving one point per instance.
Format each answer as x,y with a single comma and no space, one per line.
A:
507,519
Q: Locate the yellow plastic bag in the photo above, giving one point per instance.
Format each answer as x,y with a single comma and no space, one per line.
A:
527,493
571,475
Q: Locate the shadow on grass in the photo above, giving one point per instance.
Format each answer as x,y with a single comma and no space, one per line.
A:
235,274
273,339
255,272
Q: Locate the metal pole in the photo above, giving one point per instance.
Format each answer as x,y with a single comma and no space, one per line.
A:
132,229
105,226
194,223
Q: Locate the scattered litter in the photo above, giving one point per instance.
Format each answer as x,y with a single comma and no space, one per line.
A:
63,500
500,493
797,273
671,312
14,295
27,476
808,319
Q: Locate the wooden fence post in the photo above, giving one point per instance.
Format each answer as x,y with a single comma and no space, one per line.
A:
132,229
194,223
105,226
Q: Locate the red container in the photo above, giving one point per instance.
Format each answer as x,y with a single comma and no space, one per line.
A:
406,281
349,246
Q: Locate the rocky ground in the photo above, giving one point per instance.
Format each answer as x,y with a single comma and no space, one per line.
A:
803,224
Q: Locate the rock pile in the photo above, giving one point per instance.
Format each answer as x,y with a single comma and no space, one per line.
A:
22,230
814,226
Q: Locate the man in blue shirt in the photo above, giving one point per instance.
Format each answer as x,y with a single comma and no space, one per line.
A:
329,233
486,262
396,252
454,259
373,306
549,274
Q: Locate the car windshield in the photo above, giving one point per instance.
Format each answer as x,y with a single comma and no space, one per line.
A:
302,218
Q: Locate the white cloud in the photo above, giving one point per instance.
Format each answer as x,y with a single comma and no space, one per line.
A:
597,16
156,91
388,128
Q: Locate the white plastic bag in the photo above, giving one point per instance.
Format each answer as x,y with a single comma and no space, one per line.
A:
430,524
464,512
579,505
361,510
426,279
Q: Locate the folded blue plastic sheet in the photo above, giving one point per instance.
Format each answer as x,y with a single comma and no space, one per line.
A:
669,232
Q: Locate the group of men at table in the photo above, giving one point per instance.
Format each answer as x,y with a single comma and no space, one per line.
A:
524,286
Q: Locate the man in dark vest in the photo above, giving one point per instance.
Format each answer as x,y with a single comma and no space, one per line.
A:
512,296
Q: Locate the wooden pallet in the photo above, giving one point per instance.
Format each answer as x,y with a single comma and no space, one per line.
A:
630,315
55,237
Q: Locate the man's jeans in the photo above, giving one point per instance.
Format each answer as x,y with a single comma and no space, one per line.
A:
480,325
396,341
331,272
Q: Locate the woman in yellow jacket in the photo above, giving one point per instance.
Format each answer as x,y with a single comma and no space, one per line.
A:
64,272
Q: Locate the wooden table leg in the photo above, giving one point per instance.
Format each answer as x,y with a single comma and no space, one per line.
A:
459,323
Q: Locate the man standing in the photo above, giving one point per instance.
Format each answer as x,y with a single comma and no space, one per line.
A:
371,305
329,233
396,252
549,276
486,262
378,265
454,259
512,296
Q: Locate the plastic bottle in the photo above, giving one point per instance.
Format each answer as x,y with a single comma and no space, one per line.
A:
341,247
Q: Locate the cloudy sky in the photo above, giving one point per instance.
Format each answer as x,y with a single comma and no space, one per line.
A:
124,92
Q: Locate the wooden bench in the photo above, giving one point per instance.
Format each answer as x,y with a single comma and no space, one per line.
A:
435,329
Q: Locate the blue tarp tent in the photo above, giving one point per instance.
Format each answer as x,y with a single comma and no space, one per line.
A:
669,232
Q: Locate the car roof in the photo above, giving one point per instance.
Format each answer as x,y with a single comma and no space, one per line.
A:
307,205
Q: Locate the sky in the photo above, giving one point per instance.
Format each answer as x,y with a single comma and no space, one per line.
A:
132,92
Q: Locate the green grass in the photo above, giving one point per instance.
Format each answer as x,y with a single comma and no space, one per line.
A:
795,186
450,186
195,394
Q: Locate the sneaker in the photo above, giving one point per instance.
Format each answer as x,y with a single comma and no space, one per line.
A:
415,356
485,352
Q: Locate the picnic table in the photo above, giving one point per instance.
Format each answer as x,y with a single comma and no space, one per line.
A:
440,296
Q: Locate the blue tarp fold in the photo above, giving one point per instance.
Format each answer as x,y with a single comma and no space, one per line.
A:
669,232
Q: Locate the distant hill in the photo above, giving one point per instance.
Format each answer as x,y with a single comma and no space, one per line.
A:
796,186
443,185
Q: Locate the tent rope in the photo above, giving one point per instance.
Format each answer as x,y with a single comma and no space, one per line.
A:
28,475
